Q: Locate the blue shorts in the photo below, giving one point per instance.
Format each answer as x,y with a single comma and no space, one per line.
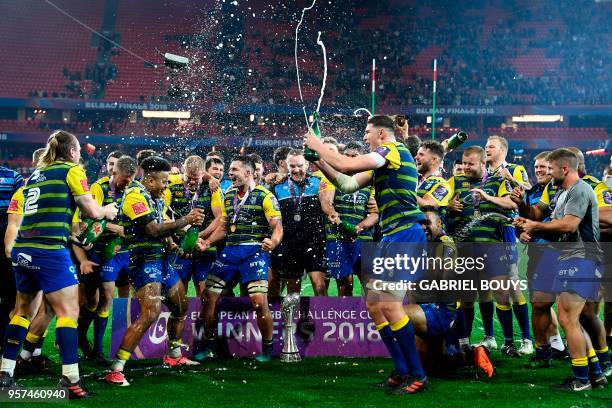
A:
545,269
494,257
580,276
109,270
249,262
46,269
411,241
152,271
439,319
509,237
195,268
343,258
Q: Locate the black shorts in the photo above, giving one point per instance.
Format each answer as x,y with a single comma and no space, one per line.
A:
291,261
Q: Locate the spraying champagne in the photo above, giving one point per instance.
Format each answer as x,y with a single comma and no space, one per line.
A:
309,154
454,141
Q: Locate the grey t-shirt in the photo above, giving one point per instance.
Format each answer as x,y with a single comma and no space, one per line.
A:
579,200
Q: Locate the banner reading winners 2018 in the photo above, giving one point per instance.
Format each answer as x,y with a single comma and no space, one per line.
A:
325,326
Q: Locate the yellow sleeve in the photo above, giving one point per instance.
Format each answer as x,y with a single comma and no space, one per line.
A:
270,207
545,198
392,156
16,204
175,178
504,189
451,185
226,202
77,181
98,195
167,195
326,185
520,174
441,193
135,205
216,200
603,194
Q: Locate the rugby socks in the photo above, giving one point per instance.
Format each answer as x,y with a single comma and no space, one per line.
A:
68,339
604,356
404,334
543,351
266,347
486,312
100,322
38,350
594,366
504,314
468,312
14,336
580,367
521,312
460,328
121,358
386,334
29,345
85,319
556,342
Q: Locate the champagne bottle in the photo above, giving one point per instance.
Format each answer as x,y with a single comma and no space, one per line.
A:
455,140
190,239
112,248
310,154
91,231
347,230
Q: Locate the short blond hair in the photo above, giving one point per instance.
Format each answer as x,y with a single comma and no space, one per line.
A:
194,162
502,141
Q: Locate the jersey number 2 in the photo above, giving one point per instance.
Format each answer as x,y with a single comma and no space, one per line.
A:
30,205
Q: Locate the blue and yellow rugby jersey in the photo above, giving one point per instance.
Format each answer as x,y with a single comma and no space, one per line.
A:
351,208
252,221
138,210
103,194
517,171
49,205
437,187
533,196
181,200
180,203
602,192
443,248
549,196
446,248
395,186
489,230
10,182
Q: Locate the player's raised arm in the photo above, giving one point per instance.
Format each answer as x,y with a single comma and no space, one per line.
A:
339,162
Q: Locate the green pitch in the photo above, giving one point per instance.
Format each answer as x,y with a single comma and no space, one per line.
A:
321,382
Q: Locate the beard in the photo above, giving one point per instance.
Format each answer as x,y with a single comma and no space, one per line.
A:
423,168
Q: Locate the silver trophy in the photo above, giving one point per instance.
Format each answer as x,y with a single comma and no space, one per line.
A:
290,353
